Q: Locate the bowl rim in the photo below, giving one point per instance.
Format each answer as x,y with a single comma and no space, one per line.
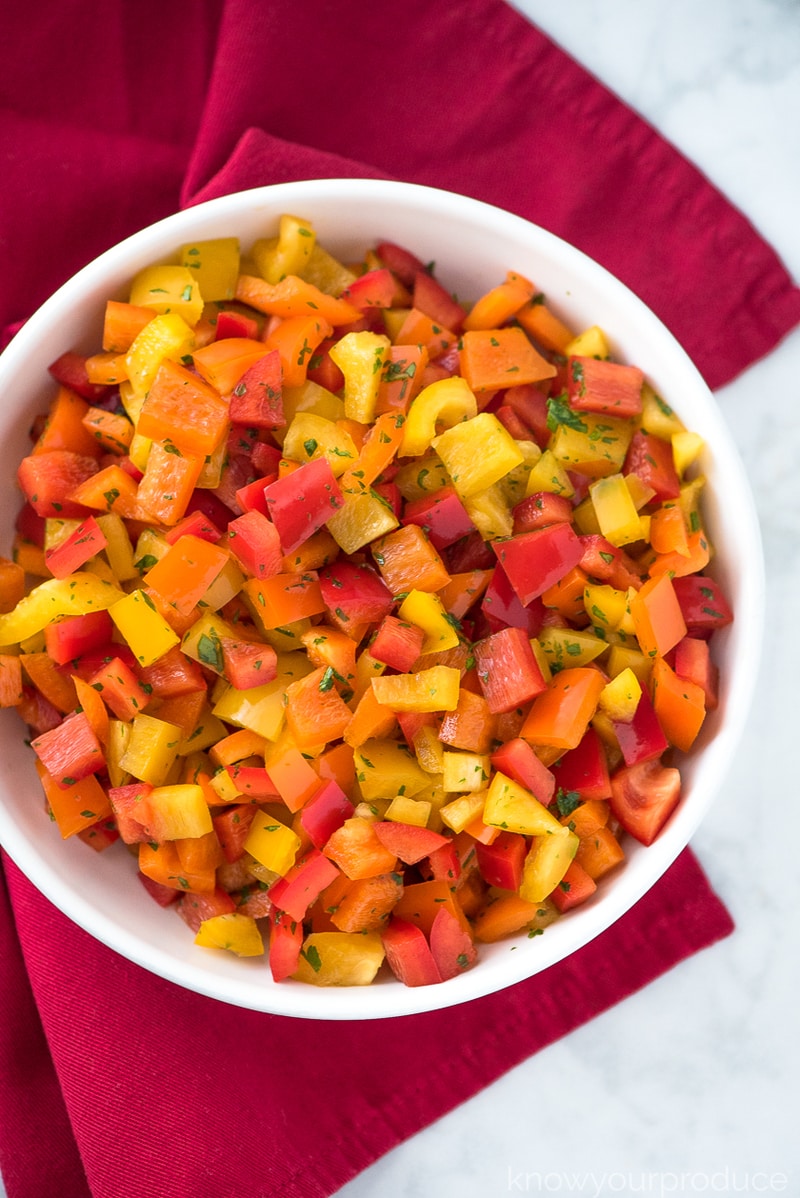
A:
392,998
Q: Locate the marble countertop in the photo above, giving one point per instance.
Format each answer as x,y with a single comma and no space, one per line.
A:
691,1085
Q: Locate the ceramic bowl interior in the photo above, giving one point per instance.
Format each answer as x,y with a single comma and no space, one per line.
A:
473,245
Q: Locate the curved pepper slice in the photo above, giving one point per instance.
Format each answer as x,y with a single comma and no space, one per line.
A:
56,597
445,402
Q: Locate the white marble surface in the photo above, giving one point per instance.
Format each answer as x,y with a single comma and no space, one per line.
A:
692,1085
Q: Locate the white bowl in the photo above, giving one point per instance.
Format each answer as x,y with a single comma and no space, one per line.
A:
473,245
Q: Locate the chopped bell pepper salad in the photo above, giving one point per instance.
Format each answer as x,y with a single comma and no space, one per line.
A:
368,621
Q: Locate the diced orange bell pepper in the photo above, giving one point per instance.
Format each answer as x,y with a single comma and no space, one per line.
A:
183,411
315,711
560,715
64,427
222,363
166,488
657,617
292,297
495,358
498,306
407,561
679,704
355,848
296,339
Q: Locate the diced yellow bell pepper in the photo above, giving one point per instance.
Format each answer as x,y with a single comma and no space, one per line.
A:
74,595
657,416
210,475
168,289
287,254
491,510
363,517
421,478
233,931
119,734
262,709
150,548
640,492
435,689
593,445
465,771
477,453
56,531
151,749
605,606
361,357
145,630
404,810
513,808
547,861
385,768
224,786
326,272
425,609
311,398
165,336
206,732
340,958
570,647
140,451
119,549
225,587
549,475
623,657
214,265
591,343
203,641
311,436
178,811
459,813
272,843
686,449
429,750
620,697
616,514
443,403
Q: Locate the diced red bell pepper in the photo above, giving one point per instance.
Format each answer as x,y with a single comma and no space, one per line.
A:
452,946
300,503
650,459
285,943
252,780
70,371
71,751
251,497
693,663
165,896
232,827
30,525
608,563
502,607
540,509
265,458
508,672
595,385
120,689
73,636
530,404
397,643
48,479
246,664
75,550
128,804
195,524
355,594
206,501
575,887
408,841
442,515
535,561
513,423
400,261
257,399
303,884
324,812
702,603
409,955
584,769
373,289
445,862
235,324
37,712
517,759
430,297
93,659
470,553
194,908
256,544
501,863
322,369
642,739
643,796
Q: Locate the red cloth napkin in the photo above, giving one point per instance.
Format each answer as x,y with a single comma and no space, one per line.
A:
111,1080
